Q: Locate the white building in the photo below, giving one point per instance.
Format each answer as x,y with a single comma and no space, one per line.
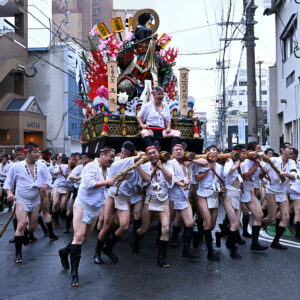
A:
284,77
56,88
237,101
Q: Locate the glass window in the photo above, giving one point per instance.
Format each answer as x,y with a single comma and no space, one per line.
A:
97,10
290,79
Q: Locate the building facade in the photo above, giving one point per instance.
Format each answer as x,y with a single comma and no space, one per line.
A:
56,89
285,76
21,118
237,104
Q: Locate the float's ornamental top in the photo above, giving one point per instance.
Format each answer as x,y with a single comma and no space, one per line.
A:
139,23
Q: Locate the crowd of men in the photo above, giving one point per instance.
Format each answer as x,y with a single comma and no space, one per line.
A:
113,190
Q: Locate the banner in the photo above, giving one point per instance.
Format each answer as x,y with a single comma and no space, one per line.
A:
184,91
112,67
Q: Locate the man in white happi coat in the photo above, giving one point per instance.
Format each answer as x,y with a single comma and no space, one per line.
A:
210,186
118,198
31,178
159,181
294,192
251,171
155,119
234,188
75,178
89,201
179,194
276,193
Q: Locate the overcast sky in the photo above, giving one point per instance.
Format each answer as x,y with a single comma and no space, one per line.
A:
177,15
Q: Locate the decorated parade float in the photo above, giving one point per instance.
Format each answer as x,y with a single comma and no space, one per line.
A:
121,71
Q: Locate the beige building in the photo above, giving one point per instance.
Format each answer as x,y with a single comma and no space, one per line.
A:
77,17
21,119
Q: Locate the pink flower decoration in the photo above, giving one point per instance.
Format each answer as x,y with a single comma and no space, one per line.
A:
94,31
102,91
129,35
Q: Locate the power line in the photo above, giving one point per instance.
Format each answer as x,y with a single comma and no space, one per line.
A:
202,53
46,61
193,28
210,34
82,46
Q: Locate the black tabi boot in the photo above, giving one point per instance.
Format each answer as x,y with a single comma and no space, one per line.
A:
136,243
200,231
275,244
64,256
218,239
15,223
55,219
175,233
52,236
196,239
68,224
107,250
135,226
97,257
31,237
224,231
265,212
187,239
18,245
231,245
162,249
297,230
239,239
245,221
43,226
26,237
147,141
291,220
75,255
212,255
63,214
277,221
255,244
158,233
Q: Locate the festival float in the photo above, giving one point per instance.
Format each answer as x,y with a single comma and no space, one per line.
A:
121,71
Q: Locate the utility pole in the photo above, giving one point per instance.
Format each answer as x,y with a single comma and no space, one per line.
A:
260,100
249,38
250,8
259,76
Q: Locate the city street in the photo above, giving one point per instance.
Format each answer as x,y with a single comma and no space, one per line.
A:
273,274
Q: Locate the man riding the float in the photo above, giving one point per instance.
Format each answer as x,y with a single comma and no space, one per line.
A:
155,121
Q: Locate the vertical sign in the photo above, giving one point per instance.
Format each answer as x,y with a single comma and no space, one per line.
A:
184,91
112,85
103,30
241,130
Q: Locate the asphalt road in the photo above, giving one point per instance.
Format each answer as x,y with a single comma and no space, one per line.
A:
273,274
